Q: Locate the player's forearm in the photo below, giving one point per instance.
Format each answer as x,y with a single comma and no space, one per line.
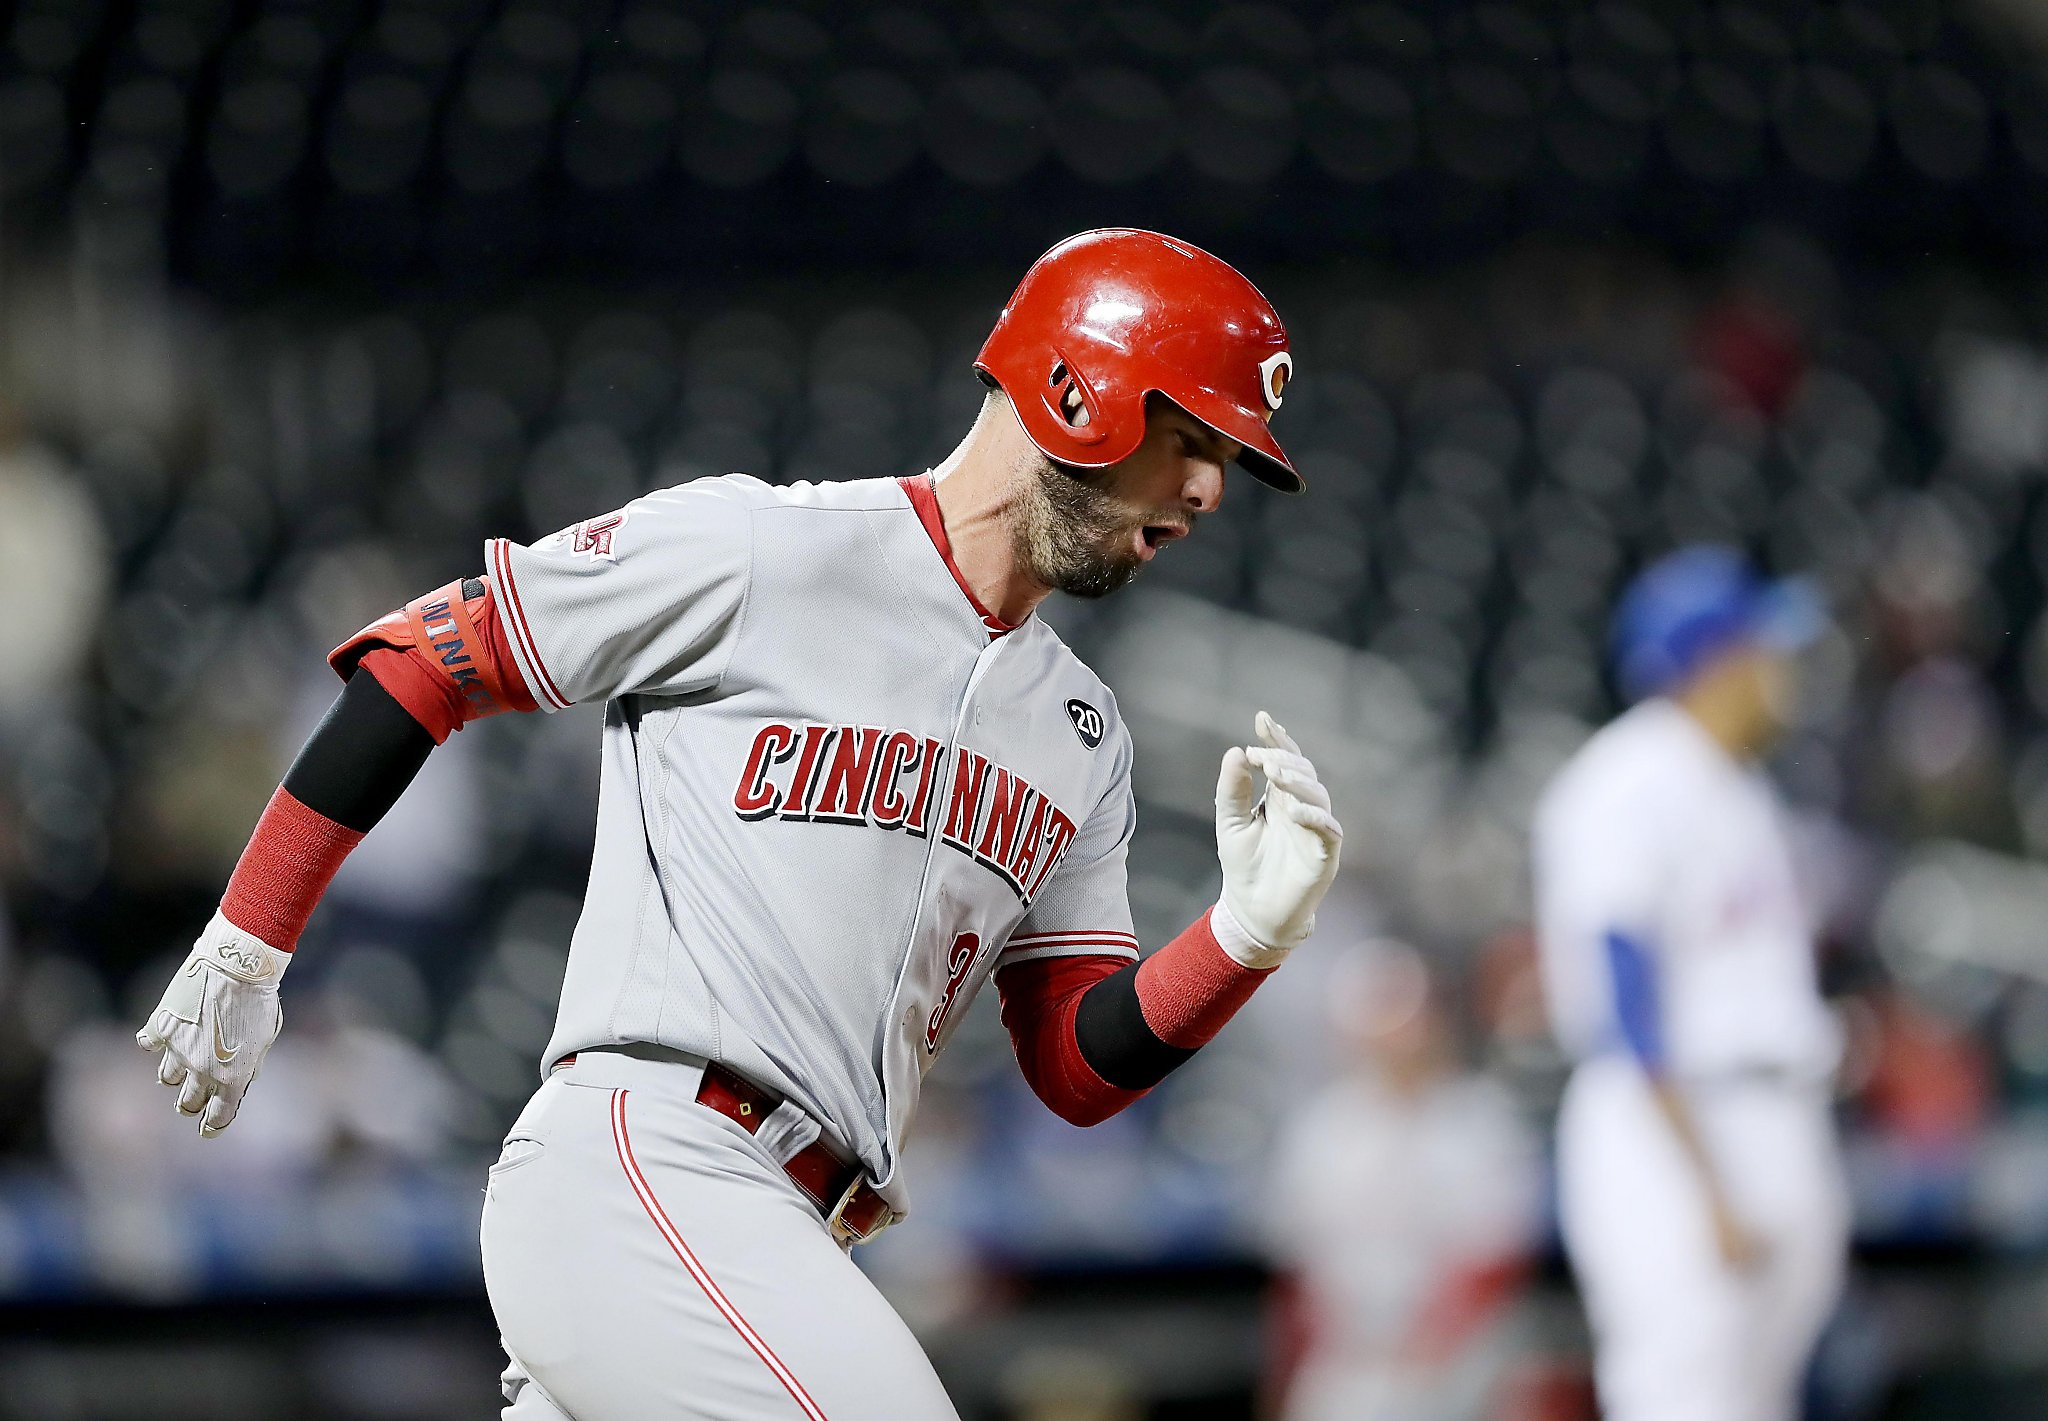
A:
1040,1002
1639,1018
1093,1036
414,678
362,756
347,776
1153,1015
1678,1114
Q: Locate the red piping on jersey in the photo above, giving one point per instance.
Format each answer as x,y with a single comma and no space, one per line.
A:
925,499
645,1193
1052,944
520,629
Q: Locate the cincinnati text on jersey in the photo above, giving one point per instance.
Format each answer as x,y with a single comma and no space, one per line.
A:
888,779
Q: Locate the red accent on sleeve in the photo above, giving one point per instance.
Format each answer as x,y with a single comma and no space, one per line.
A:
498,551
1039,1000
1191,986
1186,990
427,698
469,673
290,860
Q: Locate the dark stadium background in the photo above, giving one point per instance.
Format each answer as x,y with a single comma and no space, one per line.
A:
300,301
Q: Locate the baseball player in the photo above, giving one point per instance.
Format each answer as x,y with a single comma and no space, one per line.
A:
1403,1203
1700,1190
847,778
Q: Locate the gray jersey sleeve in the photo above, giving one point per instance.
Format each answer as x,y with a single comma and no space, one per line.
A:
646,599
1085,907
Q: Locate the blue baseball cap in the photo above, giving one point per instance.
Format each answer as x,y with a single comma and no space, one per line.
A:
1690,606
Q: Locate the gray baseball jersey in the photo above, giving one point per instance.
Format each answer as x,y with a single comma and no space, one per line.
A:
835,793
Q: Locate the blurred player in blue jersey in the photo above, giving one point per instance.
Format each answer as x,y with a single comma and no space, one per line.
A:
1700,1187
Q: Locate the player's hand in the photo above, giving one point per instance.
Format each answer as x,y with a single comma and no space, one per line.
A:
1279,853
1740,1249
216,1022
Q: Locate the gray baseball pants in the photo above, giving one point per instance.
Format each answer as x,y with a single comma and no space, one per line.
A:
648,1260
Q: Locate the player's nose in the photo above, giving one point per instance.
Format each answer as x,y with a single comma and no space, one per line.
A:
1202,485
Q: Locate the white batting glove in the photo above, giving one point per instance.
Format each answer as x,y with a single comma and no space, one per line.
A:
216,1022
1279,853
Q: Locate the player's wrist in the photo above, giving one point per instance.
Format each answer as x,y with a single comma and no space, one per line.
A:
240,954
1237,942
290,859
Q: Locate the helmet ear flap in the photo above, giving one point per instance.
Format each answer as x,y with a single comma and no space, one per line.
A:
1069,399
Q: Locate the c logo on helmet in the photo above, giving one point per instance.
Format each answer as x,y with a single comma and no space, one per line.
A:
1274,373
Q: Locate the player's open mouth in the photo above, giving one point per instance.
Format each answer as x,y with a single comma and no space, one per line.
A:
1154,536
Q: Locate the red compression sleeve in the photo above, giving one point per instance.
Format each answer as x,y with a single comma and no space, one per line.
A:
288,863
444,659
1093,1034
1040,999
1191,986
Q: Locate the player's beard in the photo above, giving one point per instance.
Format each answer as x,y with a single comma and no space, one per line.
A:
1074,535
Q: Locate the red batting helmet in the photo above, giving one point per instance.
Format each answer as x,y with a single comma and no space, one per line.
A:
1108,317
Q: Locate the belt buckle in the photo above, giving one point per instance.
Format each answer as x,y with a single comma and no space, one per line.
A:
850,1232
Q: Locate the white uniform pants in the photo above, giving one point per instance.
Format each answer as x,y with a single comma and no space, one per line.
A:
649,1261
1677,1335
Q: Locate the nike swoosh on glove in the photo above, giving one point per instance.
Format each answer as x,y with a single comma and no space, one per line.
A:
216,1022
1279,852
